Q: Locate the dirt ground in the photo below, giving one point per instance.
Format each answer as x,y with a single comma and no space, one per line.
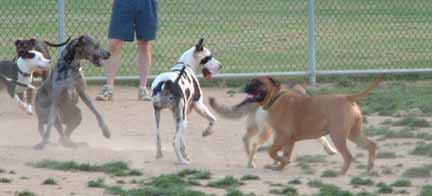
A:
133,141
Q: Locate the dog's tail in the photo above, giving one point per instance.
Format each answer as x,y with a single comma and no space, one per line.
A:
57,45
233,112
365,93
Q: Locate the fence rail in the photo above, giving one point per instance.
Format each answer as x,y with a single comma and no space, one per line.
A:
249,36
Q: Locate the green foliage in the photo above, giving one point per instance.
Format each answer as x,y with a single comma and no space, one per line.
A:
5,180
417,172
228,181
332,190
402,183
423,150
361,181
426,190
25,193
250,177
386,155
412,121
329,173
287,190
98,183
384,188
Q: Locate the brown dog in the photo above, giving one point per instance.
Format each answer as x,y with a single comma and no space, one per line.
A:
294,117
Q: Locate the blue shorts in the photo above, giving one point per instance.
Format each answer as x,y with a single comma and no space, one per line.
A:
134,16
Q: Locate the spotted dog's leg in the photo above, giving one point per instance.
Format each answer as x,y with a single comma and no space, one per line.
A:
156,116
204,112
180,127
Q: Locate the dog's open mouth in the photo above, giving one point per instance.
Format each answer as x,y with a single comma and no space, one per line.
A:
207,74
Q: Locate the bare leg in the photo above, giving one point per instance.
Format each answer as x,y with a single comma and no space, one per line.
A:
144,60
340,143
113,63
262,138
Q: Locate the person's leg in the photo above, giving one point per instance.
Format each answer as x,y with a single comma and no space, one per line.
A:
144,60
112,64
121,29
146,28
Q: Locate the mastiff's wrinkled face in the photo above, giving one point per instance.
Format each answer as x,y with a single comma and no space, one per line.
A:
261,88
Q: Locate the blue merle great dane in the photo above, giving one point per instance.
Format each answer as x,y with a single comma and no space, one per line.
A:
180,91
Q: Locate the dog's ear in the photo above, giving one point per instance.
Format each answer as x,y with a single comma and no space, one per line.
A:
32,41
200,45
274,82
17,42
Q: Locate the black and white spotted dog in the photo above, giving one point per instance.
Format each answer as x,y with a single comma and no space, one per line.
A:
179,90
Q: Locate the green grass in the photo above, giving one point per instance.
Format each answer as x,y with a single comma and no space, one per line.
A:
418,172
49,181
249,177
287,190
5,180
248,35
315,183
361,181
412,121
295,181
195,174
236,192
384,188
226,182
423,150
116,168
329,173
98,183
332,190
402,183
426,190
386,155
25,193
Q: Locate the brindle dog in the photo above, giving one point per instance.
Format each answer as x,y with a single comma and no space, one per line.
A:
57,98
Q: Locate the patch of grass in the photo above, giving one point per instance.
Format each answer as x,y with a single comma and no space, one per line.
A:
236,192
98,183
116,168
249,177
423,150
424,136
365,193
195,174
387,122
384,188
295,181
417,172
386,155
228,181
5,180
412,121
315,183
116,190
287,190
332,190
49,181
426,190
167,180
361,181
306,168
402,183
312,158
25,193
329,173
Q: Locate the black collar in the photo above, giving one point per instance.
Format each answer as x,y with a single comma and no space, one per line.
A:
23,73
273,100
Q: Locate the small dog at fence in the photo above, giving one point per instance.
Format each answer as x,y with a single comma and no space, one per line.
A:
57,98
16,75
180,91
23,46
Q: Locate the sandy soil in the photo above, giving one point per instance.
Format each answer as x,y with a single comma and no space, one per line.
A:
132,141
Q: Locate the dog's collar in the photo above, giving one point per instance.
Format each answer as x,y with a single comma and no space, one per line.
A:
23,73
273,100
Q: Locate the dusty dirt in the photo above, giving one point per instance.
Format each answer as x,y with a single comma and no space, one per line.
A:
133,141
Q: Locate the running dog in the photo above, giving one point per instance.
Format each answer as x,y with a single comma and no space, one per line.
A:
23,46
57,98
257,125
179,90
17,75
294,117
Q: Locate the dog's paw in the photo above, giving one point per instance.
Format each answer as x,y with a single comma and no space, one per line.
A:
105,131
207,132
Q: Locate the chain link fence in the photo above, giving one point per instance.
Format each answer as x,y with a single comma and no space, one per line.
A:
248,36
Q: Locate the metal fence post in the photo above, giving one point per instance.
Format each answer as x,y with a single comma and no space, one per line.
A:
61,23
311,30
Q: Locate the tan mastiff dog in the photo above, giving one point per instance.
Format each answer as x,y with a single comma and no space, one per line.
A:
258,130
294,117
